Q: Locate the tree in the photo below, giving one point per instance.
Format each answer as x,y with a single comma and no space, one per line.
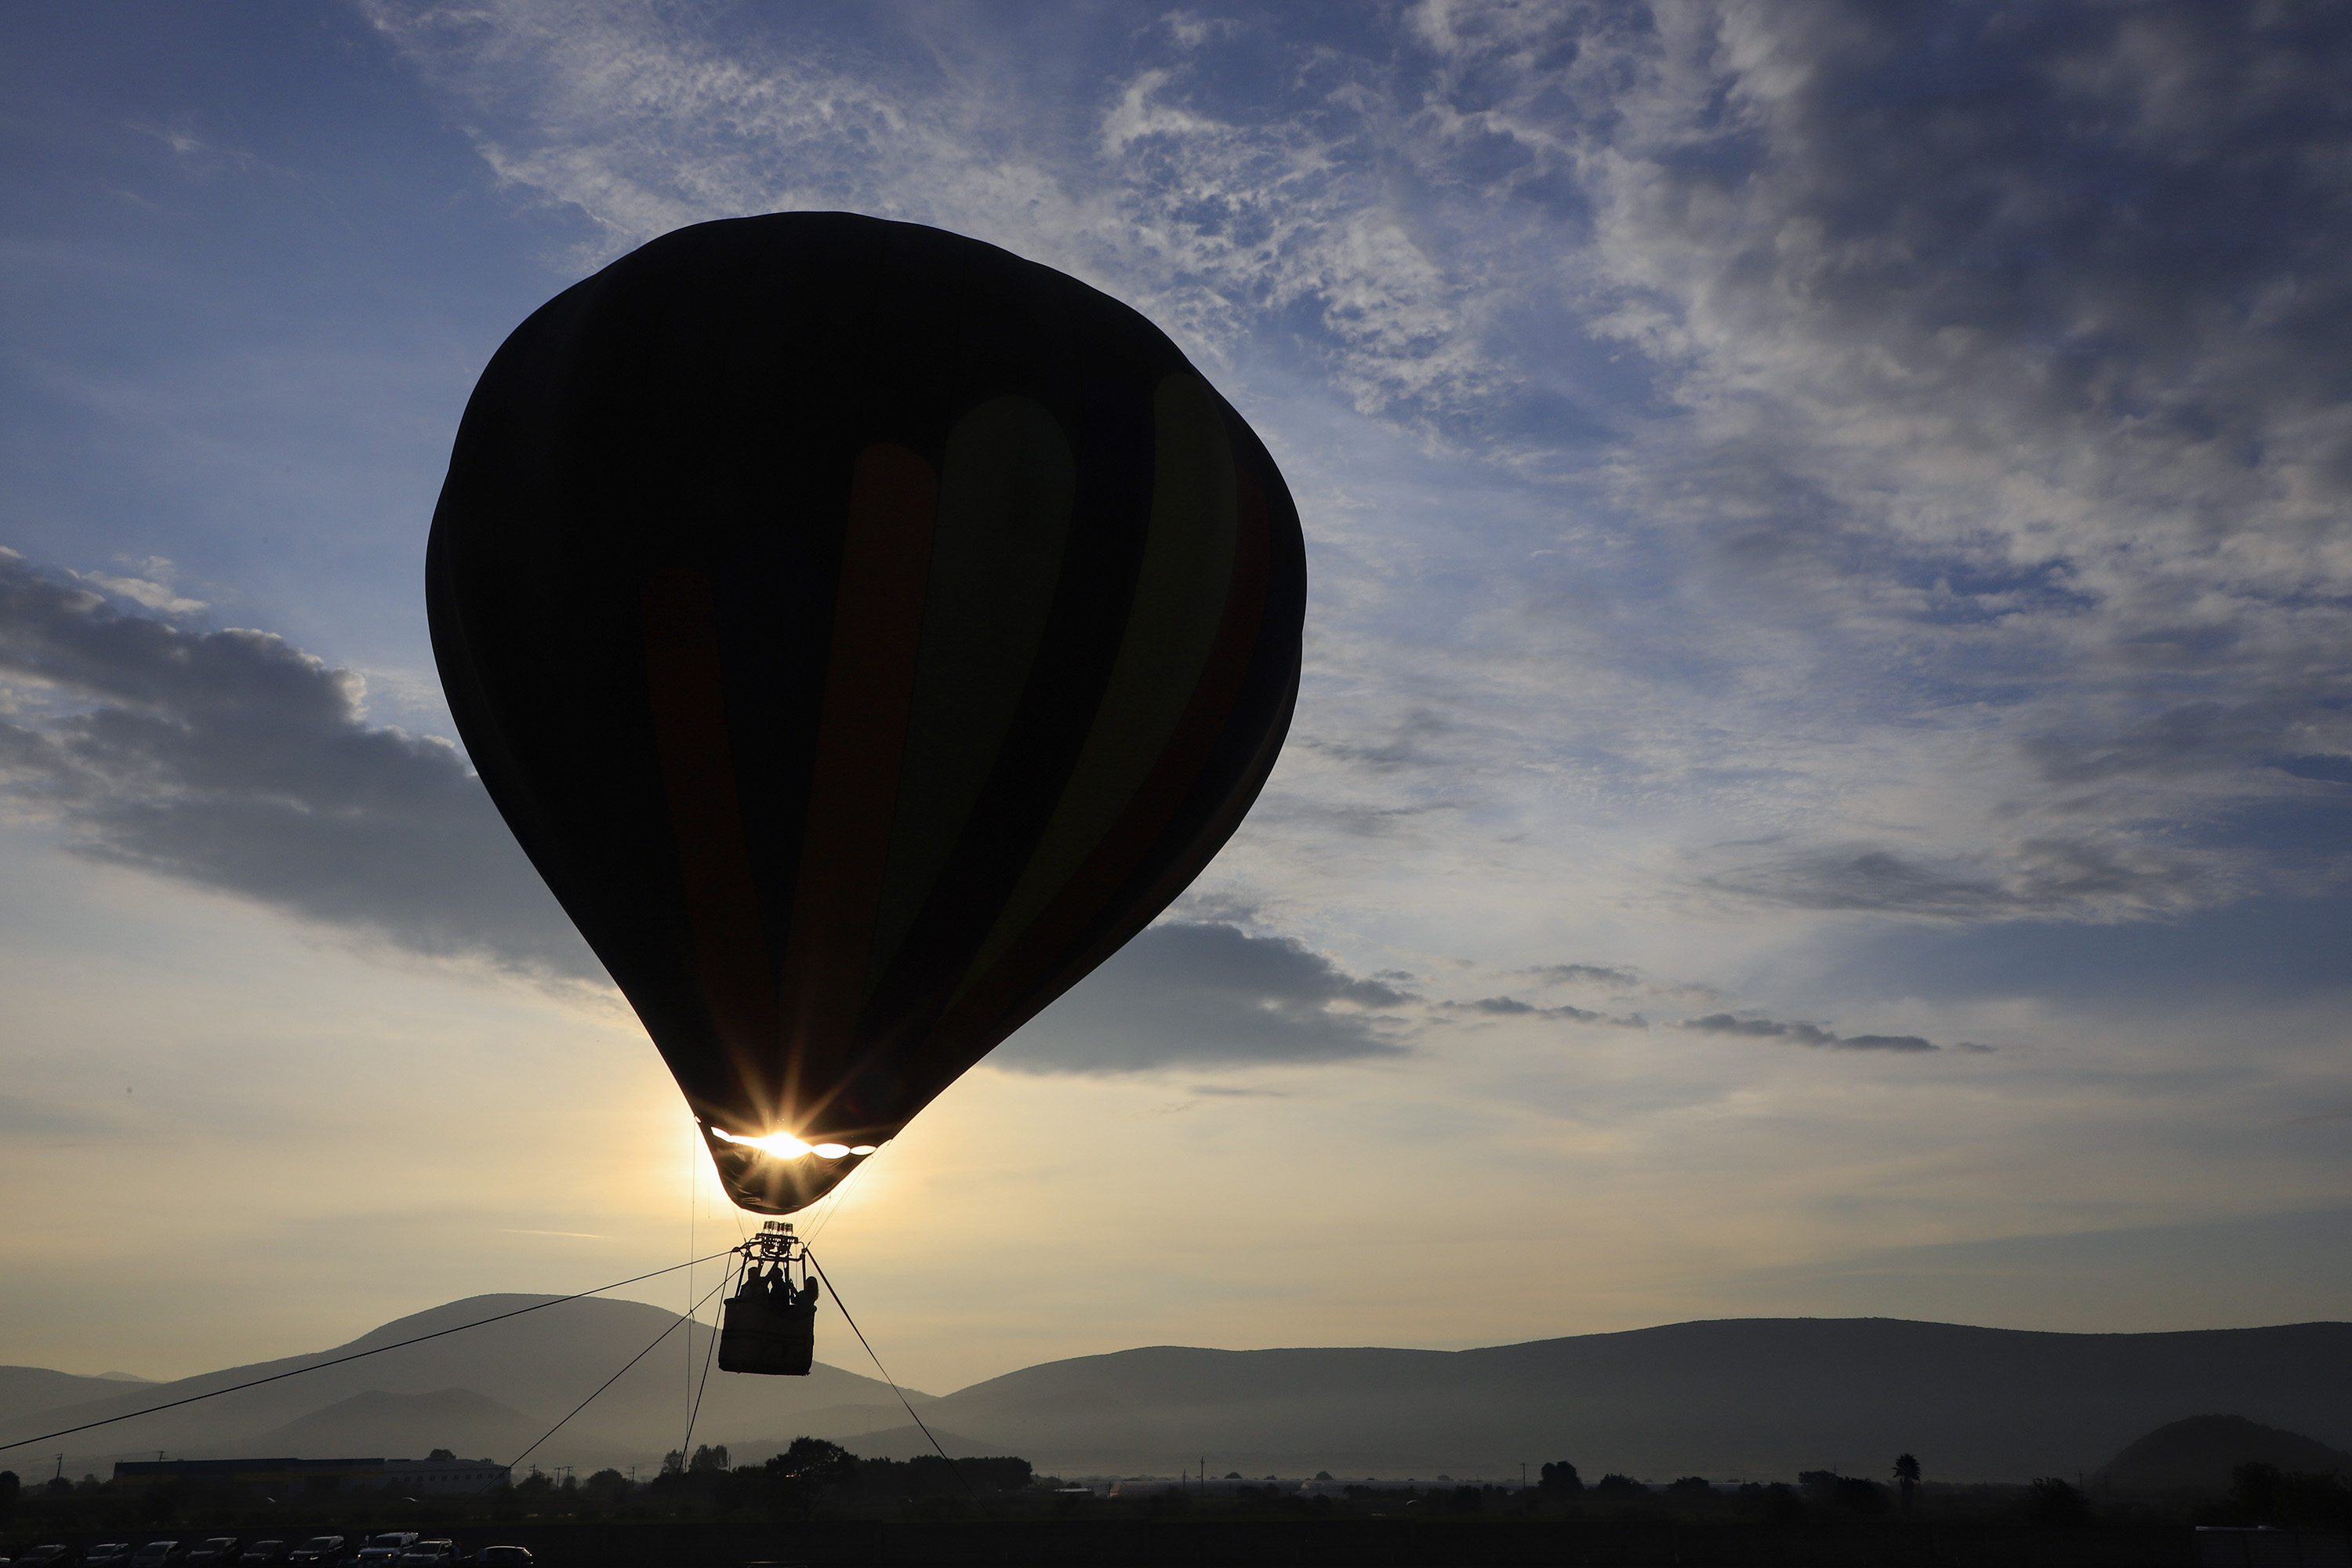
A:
1620,1489
439,1454
673,1462
1692,1489
708,1458
1906,1477
1560,1480
608,1484
802,1475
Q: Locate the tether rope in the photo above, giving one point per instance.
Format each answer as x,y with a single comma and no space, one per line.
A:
358,1355
686,1316
876,1360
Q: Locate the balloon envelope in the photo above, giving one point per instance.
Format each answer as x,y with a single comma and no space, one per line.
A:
866,632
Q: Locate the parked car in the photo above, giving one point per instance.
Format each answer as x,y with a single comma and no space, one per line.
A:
382,1551
504,1556
215,1552
432,1554
319,1552
262,1554
110,1554
55,1554
160,1554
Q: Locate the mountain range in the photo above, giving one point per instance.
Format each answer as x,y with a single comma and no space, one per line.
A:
1742,1398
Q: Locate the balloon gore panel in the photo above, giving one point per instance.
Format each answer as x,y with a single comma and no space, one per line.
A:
866,632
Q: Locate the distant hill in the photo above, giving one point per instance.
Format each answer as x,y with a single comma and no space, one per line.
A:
398,1427
845,1422
544,1363
2197,1454
1760,1397
1745,1398
39,1388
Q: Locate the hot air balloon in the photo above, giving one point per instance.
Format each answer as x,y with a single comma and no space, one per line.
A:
865,631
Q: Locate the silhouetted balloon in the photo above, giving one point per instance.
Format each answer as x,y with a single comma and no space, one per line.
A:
866,632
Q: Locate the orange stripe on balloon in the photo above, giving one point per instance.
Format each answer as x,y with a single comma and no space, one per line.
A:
877,622
723,905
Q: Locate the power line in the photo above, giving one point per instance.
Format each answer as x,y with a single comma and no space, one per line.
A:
358,1355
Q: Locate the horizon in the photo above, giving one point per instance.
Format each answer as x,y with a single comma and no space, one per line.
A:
844,1363
1706,1401
1819,786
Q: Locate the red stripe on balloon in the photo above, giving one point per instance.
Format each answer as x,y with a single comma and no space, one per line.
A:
684,678
877,623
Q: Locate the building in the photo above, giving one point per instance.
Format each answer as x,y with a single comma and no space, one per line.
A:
291,1477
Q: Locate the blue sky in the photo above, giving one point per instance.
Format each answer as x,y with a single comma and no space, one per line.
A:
1821,780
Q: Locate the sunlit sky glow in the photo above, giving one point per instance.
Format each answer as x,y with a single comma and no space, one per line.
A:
1820,783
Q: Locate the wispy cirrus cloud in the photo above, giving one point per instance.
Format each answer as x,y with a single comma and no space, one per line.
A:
1818,494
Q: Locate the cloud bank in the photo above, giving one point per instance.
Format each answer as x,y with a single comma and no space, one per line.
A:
1806,1035
1208,992
230,759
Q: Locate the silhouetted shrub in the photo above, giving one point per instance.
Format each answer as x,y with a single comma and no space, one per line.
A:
1850,1494
1620,1489
2268,1495
1858,1496
2054,1503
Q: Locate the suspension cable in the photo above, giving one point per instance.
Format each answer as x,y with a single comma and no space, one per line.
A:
356,1356
709,1353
